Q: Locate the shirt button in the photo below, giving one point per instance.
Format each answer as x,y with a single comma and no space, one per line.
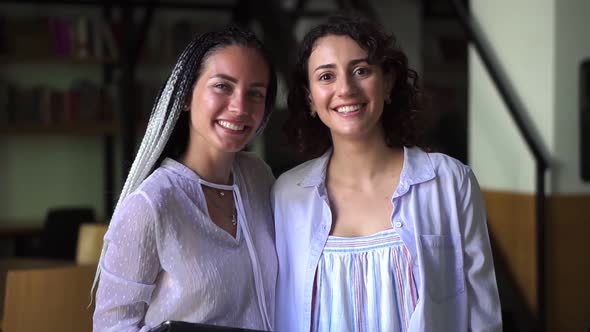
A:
399,224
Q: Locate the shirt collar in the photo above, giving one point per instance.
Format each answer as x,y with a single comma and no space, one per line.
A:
184,171
417,168
317,173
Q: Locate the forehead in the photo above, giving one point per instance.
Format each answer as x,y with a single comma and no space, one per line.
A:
335,49
235,60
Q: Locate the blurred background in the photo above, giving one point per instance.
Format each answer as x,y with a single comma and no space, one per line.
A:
509,90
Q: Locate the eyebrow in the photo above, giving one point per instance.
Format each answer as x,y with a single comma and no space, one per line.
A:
351,63
234,80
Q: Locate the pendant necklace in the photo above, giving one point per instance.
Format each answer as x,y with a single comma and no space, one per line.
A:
221,194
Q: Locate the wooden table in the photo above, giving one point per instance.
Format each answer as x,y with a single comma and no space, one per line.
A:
20,264
50,299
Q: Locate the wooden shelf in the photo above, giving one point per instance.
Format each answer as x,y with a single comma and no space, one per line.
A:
52,60
10,229
80,129
167,62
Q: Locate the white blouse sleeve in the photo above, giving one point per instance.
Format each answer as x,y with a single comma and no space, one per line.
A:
484,312
129,267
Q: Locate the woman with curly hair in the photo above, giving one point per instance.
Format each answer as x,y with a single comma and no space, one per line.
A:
374,234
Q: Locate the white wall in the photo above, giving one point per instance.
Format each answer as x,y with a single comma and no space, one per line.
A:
39,172
523,36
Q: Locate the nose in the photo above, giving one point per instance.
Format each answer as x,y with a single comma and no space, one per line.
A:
237,103
347,86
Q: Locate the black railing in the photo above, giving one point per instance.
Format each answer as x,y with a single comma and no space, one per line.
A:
526,129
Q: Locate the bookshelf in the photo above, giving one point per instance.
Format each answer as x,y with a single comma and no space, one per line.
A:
52,60
113,50
58,109
72,129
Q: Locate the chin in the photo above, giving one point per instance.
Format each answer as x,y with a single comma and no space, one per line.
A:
232,148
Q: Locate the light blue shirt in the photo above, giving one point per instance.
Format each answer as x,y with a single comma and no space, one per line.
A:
440,216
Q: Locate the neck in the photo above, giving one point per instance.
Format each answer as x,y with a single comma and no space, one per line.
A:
210,164
364,161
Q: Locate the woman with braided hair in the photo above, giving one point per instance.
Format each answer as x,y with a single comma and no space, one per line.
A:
191,238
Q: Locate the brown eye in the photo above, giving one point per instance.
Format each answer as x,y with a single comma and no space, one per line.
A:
256,94
361,71
221,86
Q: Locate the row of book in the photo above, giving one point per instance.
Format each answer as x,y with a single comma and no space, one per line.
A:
91,38
83,102
57,37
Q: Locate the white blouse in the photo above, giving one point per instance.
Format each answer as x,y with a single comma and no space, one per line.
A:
166,259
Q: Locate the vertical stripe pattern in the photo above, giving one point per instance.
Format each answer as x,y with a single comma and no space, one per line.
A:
364,284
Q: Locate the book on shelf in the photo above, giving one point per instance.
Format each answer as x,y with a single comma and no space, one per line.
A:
74,38
83,102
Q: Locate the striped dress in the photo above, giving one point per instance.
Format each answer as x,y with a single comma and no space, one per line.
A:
364,284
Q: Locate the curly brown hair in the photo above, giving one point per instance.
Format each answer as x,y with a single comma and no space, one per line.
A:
400,118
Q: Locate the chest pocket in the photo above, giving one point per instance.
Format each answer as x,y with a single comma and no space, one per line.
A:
443,266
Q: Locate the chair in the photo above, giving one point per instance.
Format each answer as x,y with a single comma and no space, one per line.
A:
90,240
60,232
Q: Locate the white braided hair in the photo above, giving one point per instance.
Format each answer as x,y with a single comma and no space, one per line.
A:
160,125
171,101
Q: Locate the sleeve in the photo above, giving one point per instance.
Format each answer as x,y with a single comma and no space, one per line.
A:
483,302
129,268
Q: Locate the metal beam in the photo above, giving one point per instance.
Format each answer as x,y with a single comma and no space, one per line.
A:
277,25
356,7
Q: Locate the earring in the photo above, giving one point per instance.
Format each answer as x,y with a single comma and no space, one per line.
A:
388,100
313,114
185,108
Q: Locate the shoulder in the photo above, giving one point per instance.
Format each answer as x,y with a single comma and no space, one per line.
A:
298,174
158,185
135,214
159,190
451,174
300,179
447,166
432,168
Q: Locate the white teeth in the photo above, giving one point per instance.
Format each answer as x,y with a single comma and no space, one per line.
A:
229,125
348,109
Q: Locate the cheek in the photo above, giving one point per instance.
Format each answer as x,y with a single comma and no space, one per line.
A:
208,102
319,95
374,88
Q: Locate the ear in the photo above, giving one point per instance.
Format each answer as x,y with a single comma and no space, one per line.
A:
310,102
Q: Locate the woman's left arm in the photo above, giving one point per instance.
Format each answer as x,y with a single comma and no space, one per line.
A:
483,302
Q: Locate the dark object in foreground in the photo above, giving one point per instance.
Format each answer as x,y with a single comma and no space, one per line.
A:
177,326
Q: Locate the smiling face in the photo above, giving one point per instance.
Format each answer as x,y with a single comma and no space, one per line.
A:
228,100
345,90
